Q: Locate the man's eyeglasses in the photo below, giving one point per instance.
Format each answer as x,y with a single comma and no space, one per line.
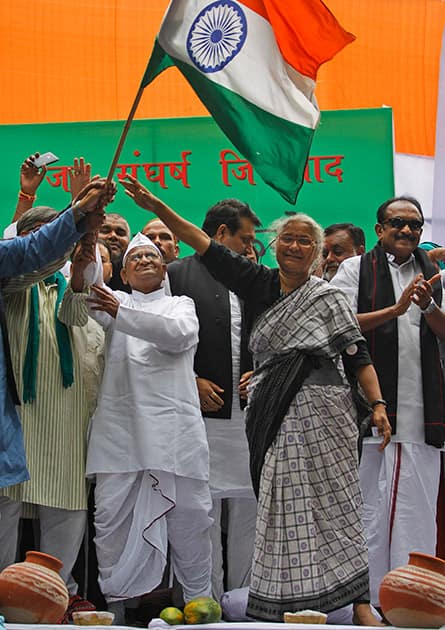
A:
397,222
303,241
135,258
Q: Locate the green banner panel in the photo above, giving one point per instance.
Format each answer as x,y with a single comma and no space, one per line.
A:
190,164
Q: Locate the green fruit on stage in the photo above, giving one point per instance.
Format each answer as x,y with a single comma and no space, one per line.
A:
172,616
202,610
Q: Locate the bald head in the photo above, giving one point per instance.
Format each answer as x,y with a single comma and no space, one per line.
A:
116,232
163,238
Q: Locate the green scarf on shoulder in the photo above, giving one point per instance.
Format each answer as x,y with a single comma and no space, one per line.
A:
32,348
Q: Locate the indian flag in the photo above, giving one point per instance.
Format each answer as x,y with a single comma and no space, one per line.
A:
253,63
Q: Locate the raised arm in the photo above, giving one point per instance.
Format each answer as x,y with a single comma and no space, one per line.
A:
183,229
25,254
172,332
73,310
30,179
79,176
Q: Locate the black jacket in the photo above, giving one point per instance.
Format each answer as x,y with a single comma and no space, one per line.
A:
213,359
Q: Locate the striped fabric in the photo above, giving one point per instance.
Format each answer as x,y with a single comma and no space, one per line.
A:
55,424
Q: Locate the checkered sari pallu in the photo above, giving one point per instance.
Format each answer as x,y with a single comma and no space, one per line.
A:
310,548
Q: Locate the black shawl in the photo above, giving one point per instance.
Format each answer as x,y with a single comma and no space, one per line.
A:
375,293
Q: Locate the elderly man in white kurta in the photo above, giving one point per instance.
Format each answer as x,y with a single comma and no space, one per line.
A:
148,449
399,313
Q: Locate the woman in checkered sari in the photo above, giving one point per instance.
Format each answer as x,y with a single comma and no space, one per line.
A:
310,547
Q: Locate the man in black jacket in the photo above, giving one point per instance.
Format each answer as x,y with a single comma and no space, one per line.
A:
223,366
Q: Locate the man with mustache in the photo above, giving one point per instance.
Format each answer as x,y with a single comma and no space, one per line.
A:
341,241
115,231
397,297
163,238
222,367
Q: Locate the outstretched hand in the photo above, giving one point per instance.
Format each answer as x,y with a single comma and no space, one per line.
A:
103,300
97,193
91,202
140,195
80,176
181,228
30,175
85,253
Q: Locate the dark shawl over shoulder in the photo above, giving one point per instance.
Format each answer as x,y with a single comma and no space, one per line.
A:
375,293
313,322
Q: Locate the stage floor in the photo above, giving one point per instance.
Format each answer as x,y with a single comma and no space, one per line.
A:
239,625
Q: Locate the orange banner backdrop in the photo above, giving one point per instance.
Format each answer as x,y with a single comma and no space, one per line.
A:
65,61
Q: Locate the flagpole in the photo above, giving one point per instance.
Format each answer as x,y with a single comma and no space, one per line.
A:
124,134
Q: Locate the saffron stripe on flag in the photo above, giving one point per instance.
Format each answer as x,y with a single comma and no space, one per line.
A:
258,72
233,58
265,140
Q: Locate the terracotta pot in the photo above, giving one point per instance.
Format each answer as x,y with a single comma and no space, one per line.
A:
414,595
33,591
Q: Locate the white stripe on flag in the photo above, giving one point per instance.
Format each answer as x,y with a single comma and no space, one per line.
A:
258,73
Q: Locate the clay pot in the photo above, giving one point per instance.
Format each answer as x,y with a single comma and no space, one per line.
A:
33,591
414,595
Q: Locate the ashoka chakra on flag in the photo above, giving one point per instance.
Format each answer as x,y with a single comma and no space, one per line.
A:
217,35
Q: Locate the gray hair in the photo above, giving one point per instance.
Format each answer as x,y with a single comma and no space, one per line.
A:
31,218
279,225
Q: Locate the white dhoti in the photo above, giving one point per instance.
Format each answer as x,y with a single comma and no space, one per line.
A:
137,515
234,503
400,487
240,522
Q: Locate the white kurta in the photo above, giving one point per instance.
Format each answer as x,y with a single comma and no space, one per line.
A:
410,427
148,416
400,485
230,480
229,450
148,449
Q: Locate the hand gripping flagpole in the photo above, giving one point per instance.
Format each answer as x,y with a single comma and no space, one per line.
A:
124,134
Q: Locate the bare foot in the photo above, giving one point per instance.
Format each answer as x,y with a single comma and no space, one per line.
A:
363,616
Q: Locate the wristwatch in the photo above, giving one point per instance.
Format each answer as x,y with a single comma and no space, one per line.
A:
430,308
378,401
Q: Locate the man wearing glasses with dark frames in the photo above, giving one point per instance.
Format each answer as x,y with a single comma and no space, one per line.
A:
398,300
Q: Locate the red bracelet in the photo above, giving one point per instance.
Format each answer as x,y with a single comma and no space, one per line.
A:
25,196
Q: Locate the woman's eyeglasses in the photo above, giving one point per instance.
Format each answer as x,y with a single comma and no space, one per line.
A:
397,222
302,241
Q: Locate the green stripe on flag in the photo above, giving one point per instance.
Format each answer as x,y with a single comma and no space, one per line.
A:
276,148
158,62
